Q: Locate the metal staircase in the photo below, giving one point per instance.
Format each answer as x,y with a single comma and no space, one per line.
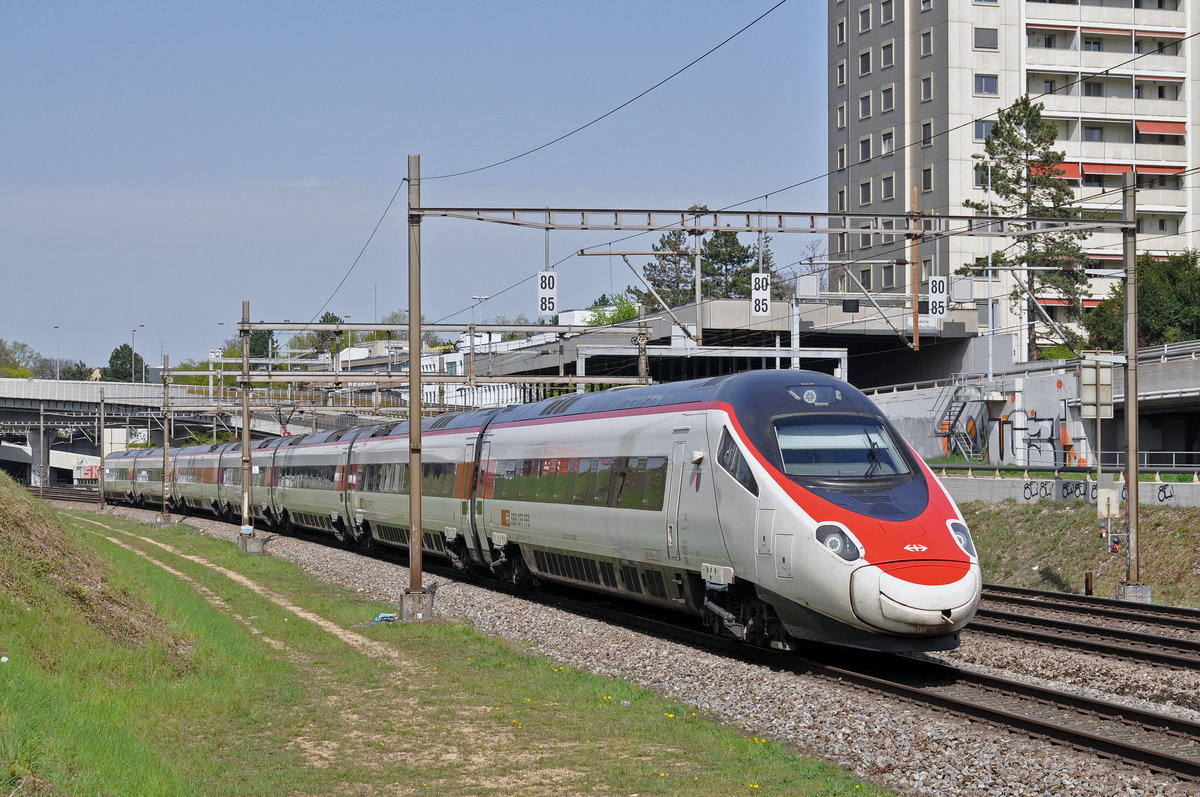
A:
958,406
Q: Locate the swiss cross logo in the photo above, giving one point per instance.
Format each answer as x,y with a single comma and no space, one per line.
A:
915,548
503,517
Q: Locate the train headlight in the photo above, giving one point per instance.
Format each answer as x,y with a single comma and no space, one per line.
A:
963,538
838,542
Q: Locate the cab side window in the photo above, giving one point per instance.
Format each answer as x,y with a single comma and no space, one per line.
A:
730,458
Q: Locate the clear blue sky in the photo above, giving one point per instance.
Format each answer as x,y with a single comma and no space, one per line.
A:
163,161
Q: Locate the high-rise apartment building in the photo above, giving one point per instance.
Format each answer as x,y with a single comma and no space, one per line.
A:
914,86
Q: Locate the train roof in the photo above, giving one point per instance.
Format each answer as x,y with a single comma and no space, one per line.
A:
748,390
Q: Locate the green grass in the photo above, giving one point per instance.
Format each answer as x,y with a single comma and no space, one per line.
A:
123,679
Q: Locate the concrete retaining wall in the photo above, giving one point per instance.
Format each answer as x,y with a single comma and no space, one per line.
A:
1028,491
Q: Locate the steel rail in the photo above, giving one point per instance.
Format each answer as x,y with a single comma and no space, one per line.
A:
1081,636
1173,616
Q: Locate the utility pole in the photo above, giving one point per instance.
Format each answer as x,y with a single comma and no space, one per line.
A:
102,435
1132,589
166,415
416,604
41,463
247,527
915,273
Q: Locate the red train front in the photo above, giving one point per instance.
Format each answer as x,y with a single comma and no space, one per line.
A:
855,540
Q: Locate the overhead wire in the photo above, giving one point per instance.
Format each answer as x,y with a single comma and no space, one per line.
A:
765,196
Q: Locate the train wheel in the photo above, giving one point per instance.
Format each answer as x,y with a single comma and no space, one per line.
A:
285,522
339,532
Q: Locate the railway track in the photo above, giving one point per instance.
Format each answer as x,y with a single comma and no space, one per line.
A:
1118,642
89,495
1088,606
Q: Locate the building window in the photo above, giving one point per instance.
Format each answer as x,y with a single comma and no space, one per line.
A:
840,28
864,277
980,171
927,88
927,134
987,84
1049,42
841,242
926,269
864,63
887,100
887,143
841,116
841,200
1093,88
864,106
864,240
987,39
927,178
983,128
1047,86
1093,180
886,12
840,71
1092,45
888,224
841,158
864,20
1093,133
887,187
927,43
864,150
887,55
887,276
926,5
864,193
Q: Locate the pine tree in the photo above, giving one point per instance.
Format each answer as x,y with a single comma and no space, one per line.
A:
1026,182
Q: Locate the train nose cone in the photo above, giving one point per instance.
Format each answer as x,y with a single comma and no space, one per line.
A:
916,597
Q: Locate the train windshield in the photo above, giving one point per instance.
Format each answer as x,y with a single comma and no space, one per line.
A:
838,447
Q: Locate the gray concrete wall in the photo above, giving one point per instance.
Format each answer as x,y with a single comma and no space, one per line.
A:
1029,491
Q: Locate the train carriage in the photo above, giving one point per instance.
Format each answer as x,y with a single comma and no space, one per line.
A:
147,477
195,474
310,482
118,476
774,505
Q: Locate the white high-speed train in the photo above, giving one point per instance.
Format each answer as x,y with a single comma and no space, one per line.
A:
775,505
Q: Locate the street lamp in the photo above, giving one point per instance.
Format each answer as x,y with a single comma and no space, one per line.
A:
991,320
57,354
133,352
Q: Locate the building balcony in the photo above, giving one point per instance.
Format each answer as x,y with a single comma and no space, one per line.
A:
1161,18
1156,63
1150,153
1101,107
1153,108
1052,57
1161,198
1052,12
1106,151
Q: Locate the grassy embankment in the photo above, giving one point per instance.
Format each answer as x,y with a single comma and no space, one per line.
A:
1051,545
124,678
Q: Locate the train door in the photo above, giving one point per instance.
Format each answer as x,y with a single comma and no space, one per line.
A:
476,528
463,490
674,490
